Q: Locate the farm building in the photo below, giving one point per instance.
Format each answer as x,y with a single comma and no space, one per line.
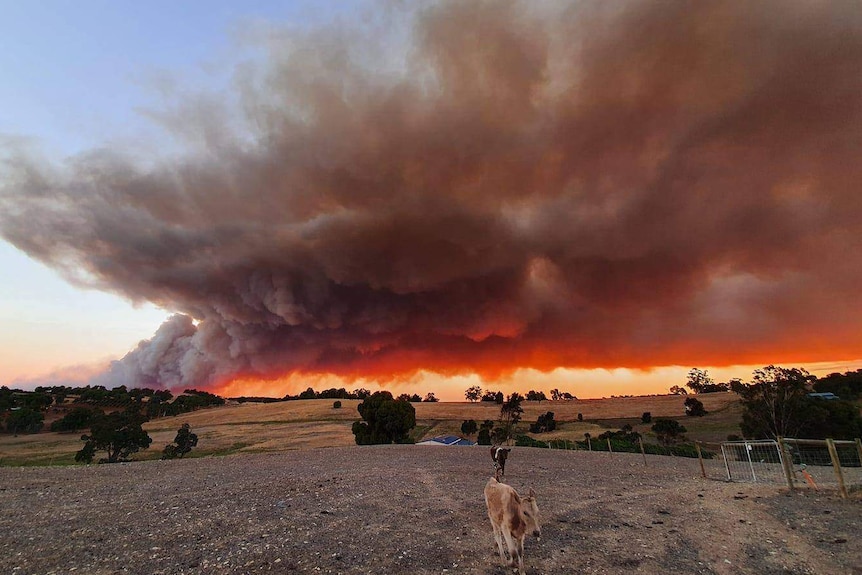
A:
446,440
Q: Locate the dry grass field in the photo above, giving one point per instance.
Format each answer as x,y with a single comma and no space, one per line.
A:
304,424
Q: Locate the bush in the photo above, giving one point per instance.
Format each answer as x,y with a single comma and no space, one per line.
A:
484,437
544,423
694,407
469,427
646,417
668,431
580,417
336,405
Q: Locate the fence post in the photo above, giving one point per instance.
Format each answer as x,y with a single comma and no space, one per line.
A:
836,465
641,441
859,449
750,463
785,463
700,458
610,449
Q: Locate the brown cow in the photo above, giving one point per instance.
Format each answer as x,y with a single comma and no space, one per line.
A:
511,517
499,456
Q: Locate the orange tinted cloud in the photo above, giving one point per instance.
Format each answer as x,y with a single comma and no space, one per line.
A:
601,185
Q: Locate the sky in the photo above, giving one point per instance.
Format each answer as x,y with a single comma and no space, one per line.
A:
257,197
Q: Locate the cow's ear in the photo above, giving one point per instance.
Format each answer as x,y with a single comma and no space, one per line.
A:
531,493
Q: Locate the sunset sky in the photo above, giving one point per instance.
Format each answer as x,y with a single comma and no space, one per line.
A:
258,197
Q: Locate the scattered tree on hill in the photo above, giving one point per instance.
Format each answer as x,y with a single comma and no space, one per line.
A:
336,405
431,398
469,427
646,417
698,379
776,403
119,434
473,393
76,419
24,420
694,407
544,423
183,443
386,420
510,415
847,386
668,431
533,395
580,417
677,390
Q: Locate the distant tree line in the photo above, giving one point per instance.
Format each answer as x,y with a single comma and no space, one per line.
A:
24,411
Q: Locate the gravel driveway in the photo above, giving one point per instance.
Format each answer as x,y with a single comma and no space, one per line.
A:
412,510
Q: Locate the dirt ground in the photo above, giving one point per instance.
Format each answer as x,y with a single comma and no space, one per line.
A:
412,510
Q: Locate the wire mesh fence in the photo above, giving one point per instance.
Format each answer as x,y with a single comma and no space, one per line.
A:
811,463
792,462
753,461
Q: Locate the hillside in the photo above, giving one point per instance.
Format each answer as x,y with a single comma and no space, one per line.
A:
303,424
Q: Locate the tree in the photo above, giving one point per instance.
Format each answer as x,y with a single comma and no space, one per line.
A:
484,437
119,433
77,418
774,403
646,417
386,420
24,420
183,443
556,395
677,390
698,379
308,394
498,398
469,427
473,393
510,415
668,431
431,398
544,423
536,396
336,405
694,407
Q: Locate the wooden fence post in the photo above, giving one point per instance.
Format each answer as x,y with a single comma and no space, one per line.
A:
786,463
641,441
836,465
700,458
859,449
610,449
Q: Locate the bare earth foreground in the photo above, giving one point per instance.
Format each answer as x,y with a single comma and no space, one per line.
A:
412,509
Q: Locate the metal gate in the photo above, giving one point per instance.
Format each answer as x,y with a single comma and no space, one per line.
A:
755,461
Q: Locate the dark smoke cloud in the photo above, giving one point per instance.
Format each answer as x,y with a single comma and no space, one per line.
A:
602,184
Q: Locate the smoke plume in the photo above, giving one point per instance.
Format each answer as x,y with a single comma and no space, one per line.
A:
497,185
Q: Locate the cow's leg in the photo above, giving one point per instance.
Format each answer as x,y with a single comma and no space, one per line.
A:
517,559
498,537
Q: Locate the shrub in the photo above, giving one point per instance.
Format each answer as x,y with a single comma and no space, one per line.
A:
580,417
25,420
469,427
544,423
694,407
646,417
336,405
484,437
668,431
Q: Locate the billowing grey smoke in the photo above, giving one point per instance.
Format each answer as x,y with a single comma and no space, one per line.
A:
604,184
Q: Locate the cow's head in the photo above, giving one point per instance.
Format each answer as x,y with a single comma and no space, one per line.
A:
531,513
